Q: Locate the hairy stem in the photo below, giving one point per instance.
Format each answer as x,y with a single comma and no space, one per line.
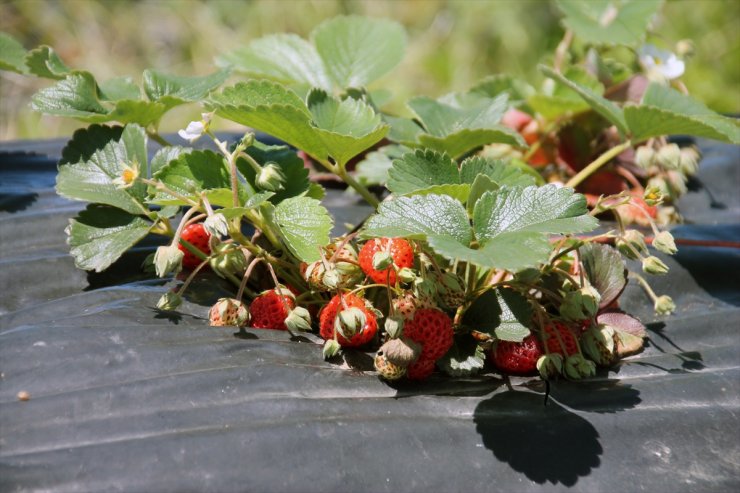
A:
597,163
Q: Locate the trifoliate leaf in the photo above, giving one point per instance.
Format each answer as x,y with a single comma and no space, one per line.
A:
98,155
666,111
358,50
605,270
282,57
465,358
420,216
99,235
608,22
501,312
600,104
190,174
44,62
304,224
494,85
12,54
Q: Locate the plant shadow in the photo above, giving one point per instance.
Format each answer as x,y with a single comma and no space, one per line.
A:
546,443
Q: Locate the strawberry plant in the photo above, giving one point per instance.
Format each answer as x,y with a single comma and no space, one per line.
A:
485,243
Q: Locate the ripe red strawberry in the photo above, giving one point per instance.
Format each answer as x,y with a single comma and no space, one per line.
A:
517,358
421,369
269,310
560,339
328,315
196,235
432,329
399,249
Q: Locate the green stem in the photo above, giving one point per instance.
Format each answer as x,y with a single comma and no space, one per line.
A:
597,163
359,188
644,285
158,138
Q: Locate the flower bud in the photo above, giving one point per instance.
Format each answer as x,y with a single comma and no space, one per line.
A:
653,265
634,239
550,365
332,279
169,301
217,225
669,156
168,259
664,305
270,178
677,181
689,161
685,48
645,157
331,348
664,242
298,320
247,140
349,322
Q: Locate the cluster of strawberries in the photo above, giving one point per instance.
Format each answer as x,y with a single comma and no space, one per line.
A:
417,331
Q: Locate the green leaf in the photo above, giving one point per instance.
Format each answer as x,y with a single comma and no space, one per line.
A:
352,126
271,108
358,50
164,155
282,57
374,168
481,185
601,105
548,209
420,216
494,85
465,357
99,235
607,21
455,112
665,111
501,312
12,54
191,173
75,96
98,155
173,90
605,271
403,130
44,62
304,225
119,88
420,170
496,170
347,127
128,111
512,223
509,251
460,143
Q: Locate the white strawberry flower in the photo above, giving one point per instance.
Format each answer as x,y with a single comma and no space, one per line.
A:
196,129
660,64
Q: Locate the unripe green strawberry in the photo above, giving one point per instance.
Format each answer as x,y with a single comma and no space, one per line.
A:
228,312
598,344
228,258
450,290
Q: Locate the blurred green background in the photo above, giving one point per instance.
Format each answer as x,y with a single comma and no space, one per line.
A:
452,43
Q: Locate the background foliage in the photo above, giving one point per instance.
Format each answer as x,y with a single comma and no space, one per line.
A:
452,44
